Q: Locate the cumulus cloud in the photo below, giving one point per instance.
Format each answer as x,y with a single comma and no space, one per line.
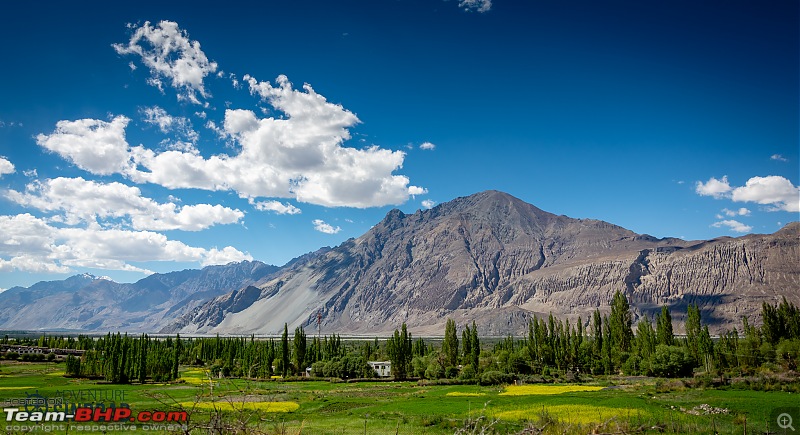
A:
323,227
773,189
36,246
276,206
733,225
91,144
6,167
476,5
299,156
427,146
170,55
83,201
713,187
779,158
428,203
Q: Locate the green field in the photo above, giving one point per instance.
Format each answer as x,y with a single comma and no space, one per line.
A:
323,407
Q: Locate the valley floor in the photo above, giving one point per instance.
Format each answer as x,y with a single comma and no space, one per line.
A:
608,405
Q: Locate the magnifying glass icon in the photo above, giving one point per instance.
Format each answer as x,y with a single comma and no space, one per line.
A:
785,421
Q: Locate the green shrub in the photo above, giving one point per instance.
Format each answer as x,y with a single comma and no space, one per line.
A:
493,377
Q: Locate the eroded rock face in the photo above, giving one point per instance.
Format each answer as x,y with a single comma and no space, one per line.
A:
497,260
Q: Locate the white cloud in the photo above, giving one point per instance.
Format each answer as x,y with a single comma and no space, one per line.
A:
170,55
170,124
713,187
225,255
427,146
323,227
779,158
733,226
476,5
416,190
299,154
428,203
731,213
93,145
275,206
31,173
6,167
773,189
89,201
35,246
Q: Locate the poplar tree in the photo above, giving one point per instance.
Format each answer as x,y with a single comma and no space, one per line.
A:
476,347
142,359
285,351
299,355
664,333
399,348
177,356
620,324
693,325
466,346
450,344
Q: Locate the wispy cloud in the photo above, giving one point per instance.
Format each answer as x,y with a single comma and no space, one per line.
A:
741,212
275,206
733,225
779,158
476,5
171,55
324,227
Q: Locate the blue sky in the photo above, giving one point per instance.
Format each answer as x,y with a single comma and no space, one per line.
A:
155,137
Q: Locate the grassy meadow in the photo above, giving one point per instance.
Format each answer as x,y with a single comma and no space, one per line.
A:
612,405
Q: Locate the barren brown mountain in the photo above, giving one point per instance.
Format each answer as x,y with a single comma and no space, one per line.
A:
497,260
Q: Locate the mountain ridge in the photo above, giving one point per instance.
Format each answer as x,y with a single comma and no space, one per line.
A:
495,259
488,257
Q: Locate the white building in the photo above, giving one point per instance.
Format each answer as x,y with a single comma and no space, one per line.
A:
382,368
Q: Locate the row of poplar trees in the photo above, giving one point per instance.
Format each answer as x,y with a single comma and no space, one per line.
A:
122,359
607,344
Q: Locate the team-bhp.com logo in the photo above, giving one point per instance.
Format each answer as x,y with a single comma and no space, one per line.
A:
96,415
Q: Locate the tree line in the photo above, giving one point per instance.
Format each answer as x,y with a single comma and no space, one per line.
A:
605,344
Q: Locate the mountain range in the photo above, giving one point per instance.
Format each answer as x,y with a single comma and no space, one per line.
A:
489,258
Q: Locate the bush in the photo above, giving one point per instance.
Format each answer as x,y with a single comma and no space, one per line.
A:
12,355
467,373
671,361
788,353
33,357
493,377
434,371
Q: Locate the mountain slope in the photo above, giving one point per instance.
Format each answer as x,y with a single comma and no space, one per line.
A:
87,303
495,259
